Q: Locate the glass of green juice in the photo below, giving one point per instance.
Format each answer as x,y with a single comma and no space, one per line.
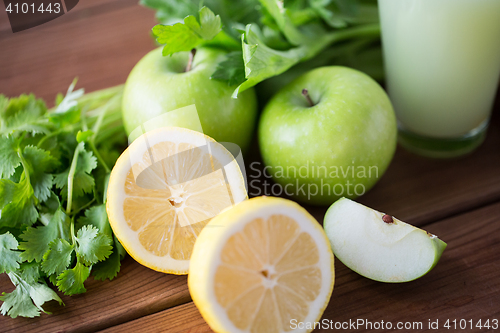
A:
442,65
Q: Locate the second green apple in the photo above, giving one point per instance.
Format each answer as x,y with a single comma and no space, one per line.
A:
328,134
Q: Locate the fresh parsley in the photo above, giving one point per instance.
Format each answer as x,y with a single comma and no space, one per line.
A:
53,223
186,36
266,38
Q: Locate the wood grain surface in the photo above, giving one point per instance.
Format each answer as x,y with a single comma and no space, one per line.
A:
100,42
136,292
464,285
421,201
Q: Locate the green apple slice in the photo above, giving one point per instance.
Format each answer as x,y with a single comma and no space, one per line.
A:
378,246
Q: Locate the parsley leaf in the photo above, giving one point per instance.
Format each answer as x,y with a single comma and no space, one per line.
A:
37,240
330,11
171,10
263,62
9,259
69,102
67,118
232,13
70,282
98,218
4,101
58,257
282,18
40,162
209,26
28,290
231,70
18,199
17,203
92,246
9,156
43,150
84,136
340,13
186,36
109,268
22,114
83,182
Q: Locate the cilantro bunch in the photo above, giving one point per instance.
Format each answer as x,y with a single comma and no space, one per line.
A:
54,169
269,38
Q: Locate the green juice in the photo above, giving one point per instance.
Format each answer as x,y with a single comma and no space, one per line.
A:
442,61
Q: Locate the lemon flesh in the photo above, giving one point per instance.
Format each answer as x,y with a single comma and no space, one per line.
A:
261,266
164,189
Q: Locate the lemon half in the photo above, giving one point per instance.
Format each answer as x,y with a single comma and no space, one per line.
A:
164,188
262,266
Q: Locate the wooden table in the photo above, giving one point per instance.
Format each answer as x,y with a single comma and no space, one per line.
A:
459,200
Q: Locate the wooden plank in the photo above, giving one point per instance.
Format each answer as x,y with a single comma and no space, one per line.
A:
416,189
121,308
182,318
464,285
78,316
136,292
99,49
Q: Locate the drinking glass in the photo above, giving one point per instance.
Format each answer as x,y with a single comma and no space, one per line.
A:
442,64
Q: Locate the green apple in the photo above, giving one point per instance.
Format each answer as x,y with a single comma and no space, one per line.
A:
378,246
330,133
159,84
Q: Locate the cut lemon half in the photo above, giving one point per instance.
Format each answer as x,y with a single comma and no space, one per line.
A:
262,266
164,189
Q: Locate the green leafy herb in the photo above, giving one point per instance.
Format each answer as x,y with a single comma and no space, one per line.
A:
92,246
97,218
9,259
30,294
58,257
109,268
53,173
36,240
22,114
231,70
39,163
17,203
9,156
186,36
273,35
263,62
71,280
81,181
169,11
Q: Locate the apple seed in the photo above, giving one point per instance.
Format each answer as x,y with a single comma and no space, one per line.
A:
387,218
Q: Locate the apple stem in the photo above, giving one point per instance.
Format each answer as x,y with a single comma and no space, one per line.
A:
387,219
190,61
305,93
